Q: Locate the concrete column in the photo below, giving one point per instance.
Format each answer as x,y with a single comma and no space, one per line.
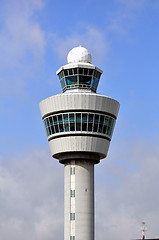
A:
79,203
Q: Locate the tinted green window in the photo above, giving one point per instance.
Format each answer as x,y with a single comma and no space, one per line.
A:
101,119
66,127
59,75
95,73
84,117
78,126
84,126
95,127
49,130
75,71
47,122
96,120
98,75
61,127
94,82
108,131
70,72
56,128
55,119
85,80
71,117
80,70
65,72
85,71
71,80
90,127
90,118
65,117
100,128
106,120
52,130
104,129
72,126
59,118
78,117
79,122
90,72
111,120
63,83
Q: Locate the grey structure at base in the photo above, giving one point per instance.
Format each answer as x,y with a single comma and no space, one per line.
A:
79,124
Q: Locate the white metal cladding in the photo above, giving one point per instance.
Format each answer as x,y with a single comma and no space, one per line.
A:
79,101
80,144
78,65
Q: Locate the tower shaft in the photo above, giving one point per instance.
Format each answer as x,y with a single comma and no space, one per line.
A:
79,200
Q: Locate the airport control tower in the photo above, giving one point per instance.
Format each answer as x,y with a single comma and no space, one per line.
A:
79,124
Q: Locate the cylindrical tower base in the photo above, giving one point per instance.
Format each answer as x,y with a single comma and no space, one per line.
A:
79,199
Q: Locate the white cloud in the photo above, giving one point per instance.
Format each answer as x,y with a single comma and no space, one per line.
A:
132,4
130,194
31,198
20,34
22,44
31,194
91,38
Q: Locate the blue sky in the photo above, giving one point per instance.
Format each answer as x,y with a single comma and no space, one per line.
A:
35,38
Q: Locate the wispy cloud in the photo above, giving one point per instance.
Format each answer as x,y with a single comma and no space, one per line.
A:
90,37
22,44
124,17
20,32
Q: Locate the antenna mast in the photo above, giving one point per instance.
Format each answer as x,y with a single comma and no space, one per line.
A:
143,230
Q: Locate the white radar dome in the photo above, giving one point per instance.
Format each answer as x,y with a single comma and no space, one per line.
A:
79,54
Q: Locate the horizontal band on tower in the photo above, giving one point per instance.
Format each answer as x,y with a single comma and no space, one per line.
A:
79,110
78,134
